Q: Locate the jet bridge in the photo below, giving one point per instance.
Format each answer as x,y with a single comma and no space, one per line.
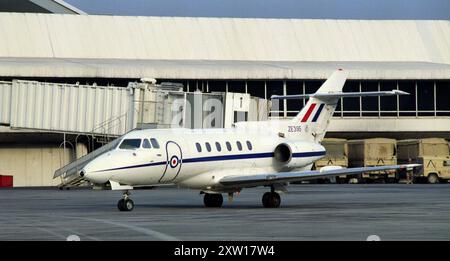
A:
68,108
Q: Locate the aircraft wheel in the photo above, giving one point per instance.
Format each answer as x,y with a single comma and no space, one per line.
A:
125,204
271,200
213,200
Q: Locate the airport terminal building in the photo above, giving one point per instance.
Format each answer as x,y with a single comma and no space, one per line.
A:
260,57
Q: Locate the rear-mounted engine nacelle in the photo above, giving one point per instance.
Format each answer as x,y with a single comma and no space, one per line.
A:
297,154
283,153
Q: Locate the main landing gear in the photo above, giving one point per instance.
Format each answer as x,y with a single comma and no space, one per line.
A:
213,200
125,204
271,199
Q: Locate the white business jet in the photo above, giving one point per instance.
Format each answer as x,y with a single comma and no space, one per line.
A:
215,161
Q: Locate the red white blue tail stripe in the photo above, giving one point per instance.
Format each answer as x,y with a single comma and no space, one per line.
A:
310,110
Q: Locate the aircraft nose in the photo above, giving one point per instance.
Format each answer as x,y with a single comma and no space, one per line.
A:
96,170
93,177
85,174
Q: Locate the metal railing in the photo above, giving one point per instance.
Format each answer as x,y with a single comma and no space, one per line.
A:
69,173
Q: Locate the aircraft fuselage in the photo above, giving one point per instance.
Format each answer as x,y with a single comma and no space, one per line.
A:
197,158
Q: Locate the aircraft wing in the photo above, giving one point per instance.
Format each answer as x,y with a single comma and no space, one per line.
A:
284,177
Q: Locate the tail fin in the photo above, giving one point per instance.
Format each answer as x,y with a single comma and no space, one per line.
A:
318,109
312,121
316,114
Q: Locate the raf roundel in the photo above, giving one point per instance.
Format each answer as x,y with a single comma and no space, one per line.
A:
174,161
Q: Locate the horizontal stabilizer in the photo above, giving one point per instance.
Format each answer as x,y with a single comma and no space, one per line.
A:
339,95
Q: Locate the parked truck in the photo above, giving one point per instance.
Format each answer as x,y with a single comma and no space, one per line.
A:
373,152
337,155
432,153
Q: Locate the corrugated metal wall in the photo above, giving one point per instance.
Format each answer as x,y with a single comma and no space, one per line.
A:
5,102
71,108
33,166
54,45
238,39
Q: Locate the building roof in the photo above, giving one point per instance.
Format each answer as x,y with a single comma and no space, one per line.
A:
54,45
201,69
38,6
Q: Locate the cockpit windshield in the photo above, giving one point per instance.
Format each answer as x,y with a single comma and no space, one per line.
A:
130,144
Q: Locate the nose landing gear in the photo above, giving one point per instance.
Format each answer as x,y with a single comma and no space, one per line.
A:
125,204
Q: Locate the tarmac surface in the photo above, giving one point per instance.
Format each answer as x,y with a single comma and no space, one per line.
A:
308,212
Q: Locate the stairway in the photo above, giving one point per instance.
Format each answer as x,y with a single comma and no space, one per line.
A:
69,174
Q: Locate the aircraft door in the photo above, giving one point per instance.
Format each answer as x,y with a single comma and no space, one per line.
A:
174,158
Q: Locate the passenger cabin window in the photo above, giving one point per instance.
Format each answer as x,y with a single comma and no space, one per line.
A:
239,145
218,147
249,145
146,144
155,143
228,146
130,144
198,146
208,146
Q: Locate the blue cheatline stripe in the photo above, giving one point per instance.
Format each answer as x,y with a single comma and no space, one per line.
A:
316,116
224,157
136,166
308,154
230,157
